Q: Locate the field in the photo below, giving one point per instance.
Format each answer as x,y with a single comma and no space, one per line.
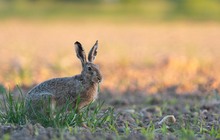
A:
159,61
134,116
150,71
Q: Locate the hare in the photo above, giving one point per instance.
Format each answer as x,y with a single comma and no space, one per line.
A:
68,89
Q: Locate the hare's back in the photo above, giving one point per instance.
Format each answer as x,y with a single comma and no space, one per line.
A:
56,86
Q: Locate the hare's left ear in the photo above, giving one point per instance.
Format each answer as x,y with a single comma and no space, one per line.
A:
93,52
80,53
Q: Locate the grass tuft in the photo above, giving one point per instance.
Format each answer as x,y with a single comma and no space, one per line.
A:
14,108
14,112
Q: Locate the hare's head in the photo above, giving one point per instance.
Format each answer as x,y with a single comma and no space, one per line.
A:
90,71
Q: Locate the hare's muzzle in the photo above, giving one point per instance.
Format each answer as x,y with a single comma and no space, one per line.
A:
99,79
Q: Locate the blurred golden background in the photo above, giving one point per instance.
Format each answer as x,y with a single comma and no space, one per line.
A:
144,45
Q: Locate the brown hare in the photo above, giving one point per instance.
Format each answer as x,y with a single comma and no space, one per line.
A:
68,89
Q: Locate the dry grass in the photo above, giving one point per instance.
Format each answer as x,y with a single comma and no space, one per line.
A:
132,56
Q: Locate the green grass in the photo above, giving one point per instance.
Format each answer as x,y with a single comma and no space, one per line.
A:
14,112
14,109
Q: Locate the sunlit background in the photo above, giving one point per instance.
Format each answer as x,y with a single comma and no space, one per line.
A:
144,45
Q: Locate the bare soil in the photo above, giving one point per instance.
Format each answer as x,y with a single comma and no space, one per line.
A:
135,111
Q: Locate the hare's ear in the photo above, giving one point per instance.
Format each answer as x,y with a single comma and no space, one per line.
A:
93,52
80,52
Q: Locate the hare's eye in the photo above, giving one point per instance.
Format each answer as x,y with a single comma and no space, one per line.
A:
89,68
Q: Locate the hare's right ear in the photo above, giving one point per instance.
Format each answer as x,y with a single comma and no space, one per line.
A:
80,52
